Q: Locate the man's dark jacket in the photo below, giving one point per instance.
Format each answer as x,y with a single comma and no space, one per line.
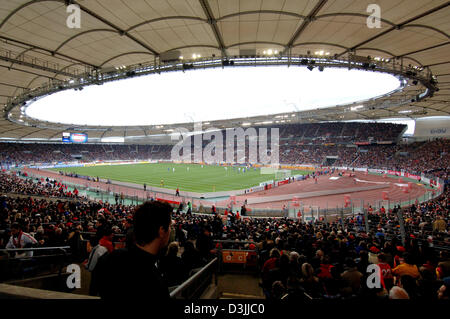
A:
129,273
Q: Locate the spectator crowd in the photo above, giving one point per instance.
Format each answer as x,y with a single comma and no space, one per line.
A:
297,260
339,144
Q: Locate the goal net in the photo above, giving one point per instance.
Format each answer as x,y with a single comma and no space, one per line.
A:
282,174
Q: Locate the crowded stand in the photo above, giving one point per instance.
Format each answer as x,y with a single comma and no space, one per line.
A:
373,156
427,221
295,153
430,158
297,260
298,146
18,183
15,154
348,133
343,132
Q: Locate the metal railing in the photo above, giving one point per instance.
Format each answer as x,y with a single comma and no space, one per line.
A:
63,248
194,287
37,63
17,266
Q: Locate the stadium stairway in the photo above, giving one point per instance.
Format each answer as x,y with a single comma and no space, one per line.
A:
239,286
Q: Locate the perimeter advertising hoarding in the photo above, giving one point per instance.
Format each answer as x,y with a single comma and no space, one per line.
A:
416,177
299,177
295,167
234,257
283,182
56,166
266,183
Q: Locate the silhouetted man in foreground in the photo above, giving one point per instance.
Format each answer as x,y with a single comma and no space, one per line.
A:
132,273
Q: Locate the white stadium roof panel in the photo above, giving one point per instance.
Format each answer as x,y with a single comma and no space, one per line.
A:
36,46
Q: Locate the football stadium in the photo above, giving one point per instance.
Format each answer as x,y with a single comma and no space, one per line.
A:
281,151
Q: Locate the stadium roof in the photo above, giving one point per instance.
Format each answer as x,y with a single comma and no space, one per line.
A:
37,46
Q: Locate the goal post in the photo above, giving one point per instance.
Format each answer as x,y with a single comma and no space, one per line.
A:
282,174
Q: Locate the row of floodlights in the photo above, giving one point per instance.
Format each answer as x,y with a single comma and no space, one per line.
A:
271,52
381,59
275,52
268,52
194,56
265,52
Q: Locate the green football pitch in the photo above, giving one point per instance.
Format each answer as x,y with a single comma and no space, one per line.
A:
188,177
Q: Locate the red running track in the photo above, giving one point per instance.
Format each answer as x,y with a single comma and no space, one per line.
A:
371,197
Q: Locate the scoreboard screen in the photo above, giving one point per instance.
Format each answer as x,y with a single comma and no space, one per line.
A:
66,137
74,137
